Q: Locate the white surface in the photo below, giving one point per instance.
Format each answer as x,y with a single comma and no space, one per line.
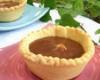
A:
11,37
54,15
89,26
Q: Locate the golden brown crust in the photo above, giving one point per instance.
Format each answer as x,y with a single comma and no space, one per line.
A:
12,13
56,61
72,67
21,4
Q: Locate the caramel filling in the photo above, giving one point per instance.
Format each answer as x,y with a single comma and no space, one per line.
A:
57,47
7,4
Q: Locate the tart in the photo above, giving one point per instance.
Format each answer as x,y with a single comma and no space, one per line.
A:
57,53
11,10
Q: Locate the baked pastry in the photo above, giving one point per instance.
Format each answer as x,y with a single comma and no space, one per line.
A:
57,53
11,10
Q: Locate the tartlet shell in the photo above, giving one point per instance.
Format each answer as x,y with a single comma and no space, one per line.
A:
12,13
54,68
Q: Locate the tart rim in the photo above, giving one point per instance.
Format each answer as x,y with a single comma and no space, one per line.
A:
55,61
21,4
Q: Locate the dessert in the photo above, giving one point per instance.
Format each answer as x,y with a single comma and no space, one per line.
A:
11,10
57,53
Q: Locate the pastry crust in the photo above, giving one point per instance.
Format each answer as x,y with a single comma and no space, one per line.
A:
55,68
12,13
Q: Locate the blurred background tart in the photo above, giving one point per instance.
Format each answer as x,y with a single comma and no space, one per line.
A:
11,10
57,53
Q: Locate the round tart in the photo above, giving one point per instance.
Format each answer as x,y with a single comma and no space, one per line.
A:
11,10
57,53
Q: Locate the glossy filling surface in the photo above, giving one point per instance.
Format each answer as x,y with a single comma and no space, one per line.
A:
7,4
57,47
